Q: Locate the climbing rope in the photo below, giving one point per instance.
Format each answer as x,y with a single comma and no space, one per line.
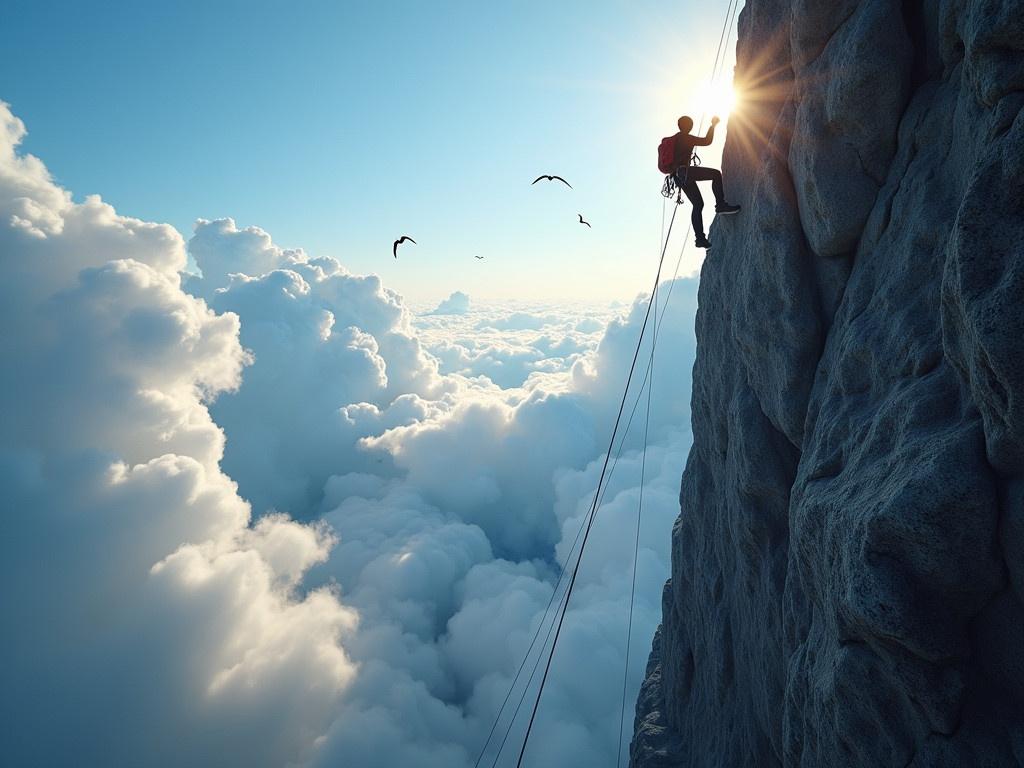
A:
593,509
533,674
596,504
717,71
604,479
639,510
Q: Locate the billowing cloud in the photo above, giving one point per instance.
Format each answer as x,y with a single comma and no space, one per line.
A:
267,515
146,621
471,345
456,304
322,339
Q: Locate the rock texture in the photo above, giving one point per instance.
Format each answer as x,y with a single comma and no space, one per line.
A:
848,567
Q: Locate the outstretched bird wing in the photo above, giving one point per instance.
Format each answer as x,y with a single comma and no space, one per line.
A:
398,242
551,178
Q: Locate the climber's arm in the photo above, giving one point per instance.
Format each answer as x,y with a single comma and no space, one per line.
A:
706,141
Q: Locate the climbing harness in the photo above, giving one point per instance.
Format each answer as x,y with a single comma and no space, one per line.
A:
672,187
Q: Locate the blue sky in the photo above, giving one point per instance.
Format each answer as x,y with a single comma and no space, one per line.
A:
339,126
454,457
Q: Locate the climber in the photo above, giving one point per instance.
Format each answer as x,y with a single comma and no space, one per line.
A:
687,175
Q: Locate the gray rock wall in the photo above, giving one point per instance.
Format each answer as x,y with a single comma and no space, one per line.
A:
848,566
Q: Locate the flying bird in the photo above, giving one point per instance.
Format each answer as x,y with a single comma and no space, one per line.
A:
582,221
479,257
551,178
398,242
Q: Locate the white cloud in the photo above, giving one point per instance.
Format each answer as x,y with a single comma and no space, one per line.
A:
146,623
322,339
471,345
456,304
518,321
435,467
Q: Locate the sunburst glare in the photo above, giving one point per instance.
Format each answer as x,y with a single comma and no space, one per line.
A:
720,98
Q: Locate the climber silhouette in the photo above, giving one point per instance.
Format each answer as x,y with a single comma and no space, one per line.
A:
687,176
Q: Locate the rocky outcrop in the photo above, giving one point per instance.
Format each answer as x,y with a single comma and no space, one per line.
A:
847,581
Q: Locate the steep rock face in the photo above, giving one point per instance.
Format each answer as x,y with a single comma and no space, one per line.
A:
848,566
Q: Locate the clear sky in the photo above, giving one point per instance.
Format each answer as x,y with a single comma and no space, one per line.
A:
339,126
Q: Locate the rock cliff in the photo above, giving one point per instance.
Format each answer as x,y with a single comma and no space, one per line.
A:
847,582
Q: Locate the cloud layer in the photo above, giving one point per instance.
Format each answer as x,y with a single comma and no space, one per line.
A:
268,515
140,604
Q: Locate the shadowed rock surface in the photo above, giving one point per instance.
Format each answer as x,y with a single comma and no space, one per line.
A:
848,566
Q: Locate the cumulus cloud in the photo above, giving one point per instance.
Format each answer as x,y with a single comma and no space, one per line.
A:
474,345
456,304
454,511
267,515
146,621
322,339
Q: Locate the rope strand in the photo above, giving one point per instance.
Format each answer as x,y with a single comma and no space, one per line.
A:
636,541
590,523
587,523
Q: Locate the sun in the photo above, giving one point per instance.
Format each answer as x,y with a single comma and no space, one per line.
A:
719,98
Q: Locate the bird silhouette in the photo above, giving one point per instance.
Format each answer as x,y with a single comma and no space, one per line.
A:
582,221
551,178
479,257
398,242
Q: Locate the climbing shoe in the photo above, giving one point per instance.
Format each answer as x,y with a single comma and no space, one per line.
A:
702,242
724,209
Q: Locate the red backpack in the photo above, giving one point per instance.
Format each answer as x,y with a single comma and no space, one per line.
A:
667,154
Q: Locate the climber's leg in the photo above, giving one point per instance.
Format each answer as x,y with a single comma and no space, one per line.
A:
689,187
699,173
715,177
